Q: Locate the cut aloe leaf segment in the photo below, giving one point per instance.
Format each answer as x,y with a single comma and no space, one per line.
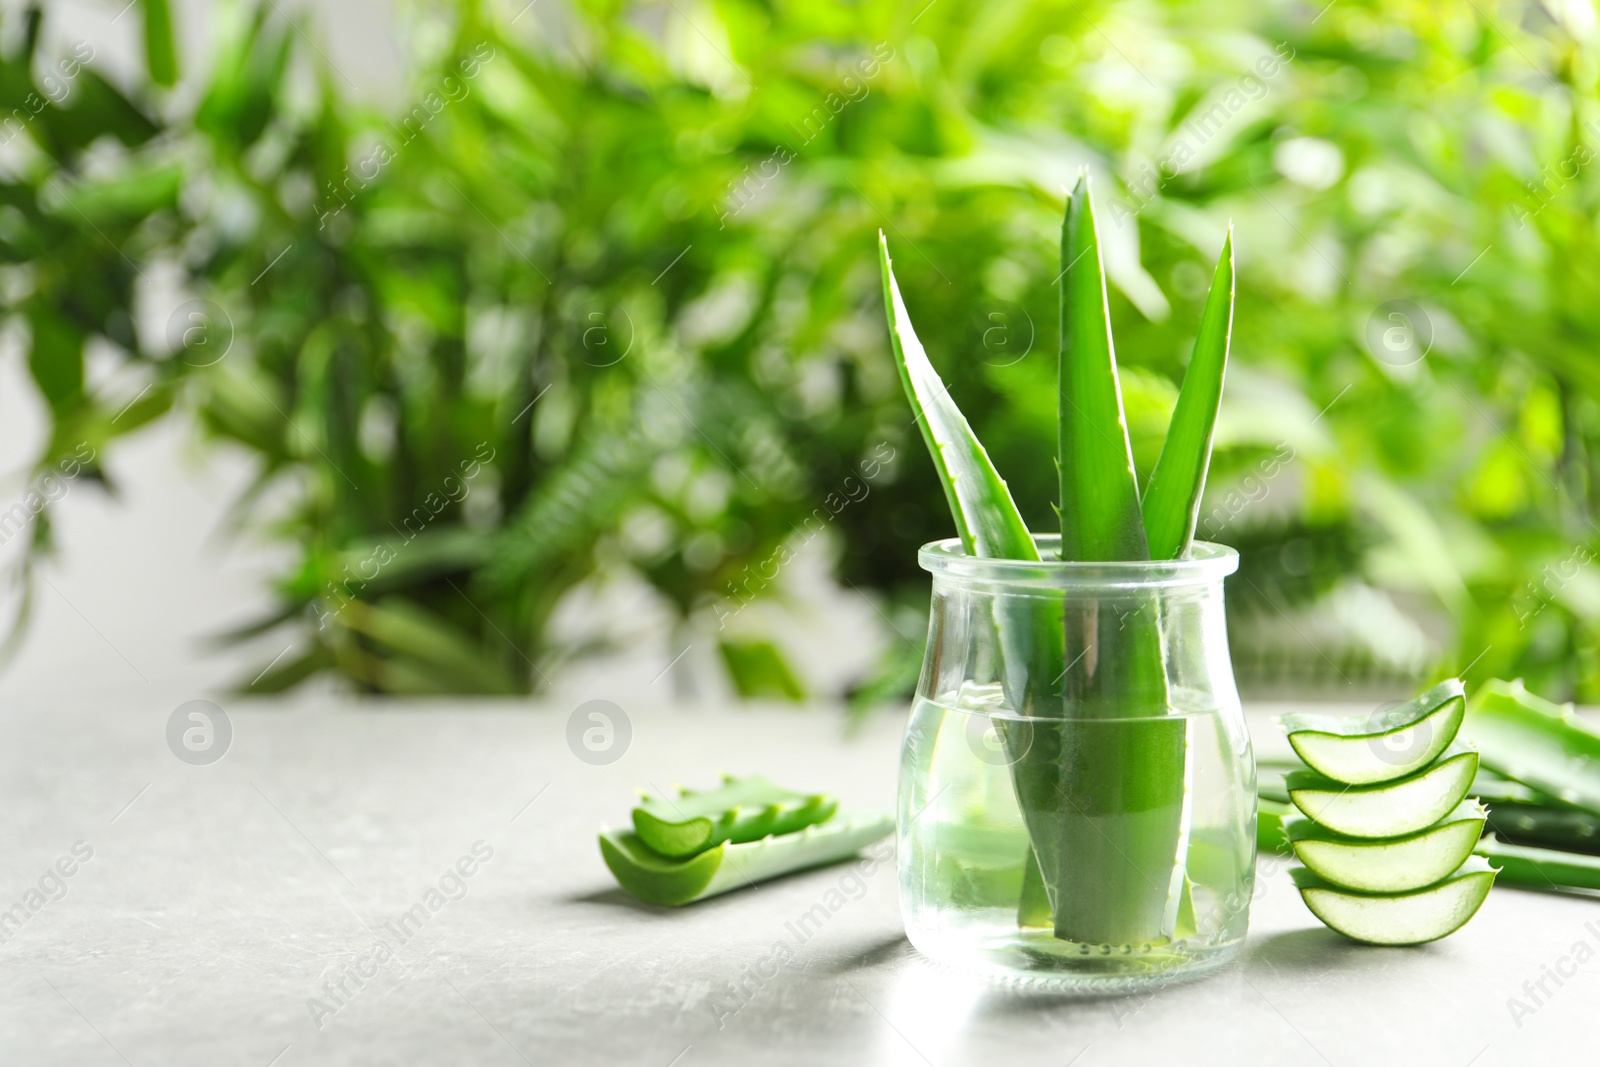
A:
659,879
1412,918
1391,809
739,810
1365,750
1541,868
1389,864
1533,741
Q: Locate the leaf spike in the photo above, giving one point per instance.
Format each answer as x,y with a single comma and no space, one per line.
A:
1172,498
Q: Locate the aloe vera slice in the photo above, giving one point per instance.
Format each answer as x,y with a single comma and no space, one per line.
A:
1390,809
1541,868
660,879
739,810
1381,747
1535,742
1391,864
1413,918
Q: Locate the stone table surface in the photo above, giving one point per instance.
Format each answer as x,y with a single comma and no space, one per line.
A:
213,912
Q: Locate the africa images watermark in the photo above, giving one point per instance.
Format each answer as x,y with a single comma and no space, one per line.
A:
451,886
756,577
1252,489
856,88
1198,130
849,887
452,89
50,486
1533,598
54,83
455,488
52,886
1541,193
1538,992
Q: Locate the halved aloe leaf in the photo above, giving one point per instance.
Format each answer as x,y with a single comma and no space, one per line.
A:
1392,808
1381,747
1412,918
740,809
1389,864
1536,742
1541,868
660,879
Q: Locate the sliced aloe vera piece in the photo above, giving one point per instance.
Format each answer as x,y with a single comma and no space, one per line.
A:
738,810
1392,808
1381,747
1541,868
1413,918
1388,864
659,879
1533,741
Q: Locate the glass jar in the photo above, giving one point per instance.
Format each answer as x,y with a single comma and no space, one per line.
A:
1077,787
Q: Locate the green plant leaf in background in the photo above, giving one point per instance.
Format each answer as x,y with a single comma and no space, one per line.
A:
1172,497
160,47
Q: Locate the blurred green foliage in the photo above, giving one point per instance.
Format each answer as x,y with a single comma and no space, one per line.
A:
598,293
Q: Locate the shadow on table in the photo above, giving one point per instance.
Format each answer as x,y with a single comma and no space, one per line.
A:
616,897
1316,950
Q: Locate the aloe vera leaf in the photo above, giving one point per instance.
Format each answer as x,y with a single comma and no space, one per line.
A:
1270,815
1546,826
1172,497
738,810
1413,918
989,525
1492,789
660,879
1105,799
1389,809
1381,747
160,51
1099,510
986,517
1269,783
1391,864
1033,909
1533,741
1541,868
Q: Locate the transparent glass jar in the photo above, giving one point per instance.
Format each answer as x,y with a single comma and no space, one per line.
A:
1077,787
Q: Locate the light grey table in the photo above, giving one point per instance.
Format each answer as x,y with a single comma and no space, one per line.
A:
221,908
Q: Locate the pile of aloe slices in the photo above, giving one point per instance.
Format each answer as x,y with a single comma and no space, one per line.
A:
1384,826
697,844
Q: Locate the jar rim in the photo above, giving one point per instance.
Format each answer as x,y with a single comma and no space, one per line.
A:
1206,562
